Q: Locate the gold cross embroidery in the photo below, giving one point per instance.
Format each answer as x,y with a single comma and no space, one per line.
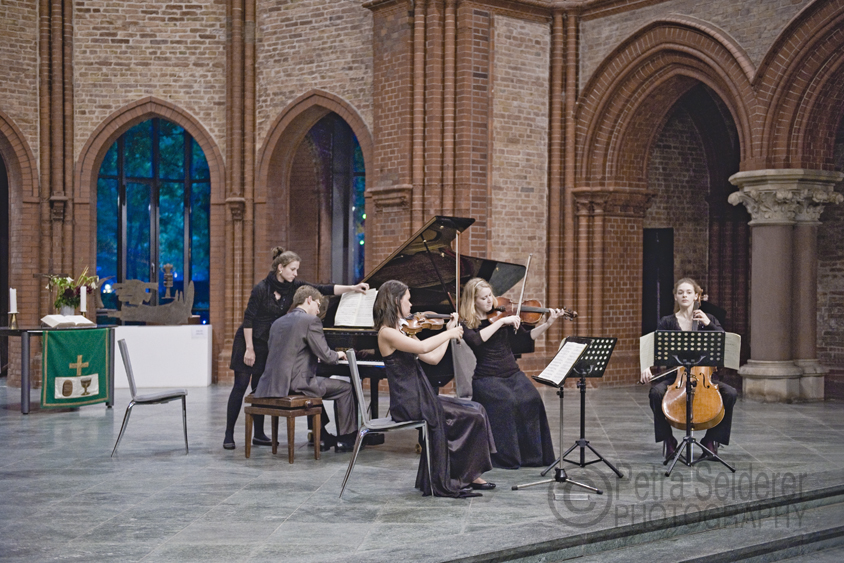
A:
78,366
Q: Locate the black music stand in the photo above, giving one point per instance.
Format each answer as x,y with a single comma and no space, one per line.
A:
569,363
593,363
689,349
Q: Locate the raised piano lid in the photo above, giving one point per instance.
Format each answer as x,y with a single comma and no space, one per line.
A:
413,263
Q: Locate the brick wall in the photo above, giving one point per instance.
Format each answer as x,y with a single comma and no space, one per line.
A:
677,171
127,50
519,147
831,274
312,44
19,67
623,305
755,24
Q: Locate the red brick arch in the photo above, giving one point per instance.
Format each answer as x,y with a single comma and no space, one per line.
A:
24,215
92,154
275,160
801,85
291,126
622,106
88,167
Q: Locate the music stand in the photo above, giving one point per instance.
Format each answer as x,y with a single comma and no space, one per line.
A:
593,363
689,349
568,356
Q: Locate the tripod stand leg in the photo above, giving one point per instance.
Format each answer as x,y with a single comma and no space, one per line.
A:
526,485
677,456
550,467
713,456
610,465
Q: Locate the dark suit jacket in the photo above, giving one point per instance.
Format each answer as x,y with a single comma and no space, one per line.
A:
296,341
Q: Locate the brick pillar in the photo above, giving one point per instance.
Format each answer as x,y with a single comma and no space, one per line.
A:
785,207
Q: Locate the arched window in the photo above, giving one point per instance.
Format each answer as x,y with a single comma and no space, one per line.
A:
153,204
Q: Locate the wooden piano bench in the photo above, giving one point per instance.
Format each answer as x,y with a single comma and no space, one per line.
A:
289,407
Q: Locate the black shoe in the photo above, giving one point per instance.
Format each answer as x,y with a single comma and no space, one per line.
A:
712,447
670,448
344,447
482,486
228,445
261,441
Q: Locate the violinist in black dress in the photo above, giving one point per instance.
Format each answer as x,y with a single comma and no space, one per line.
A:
515,408
458,429
270,299
688,317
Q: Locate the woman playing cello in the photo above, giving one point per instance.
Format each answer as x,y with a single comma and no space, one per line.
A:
687,316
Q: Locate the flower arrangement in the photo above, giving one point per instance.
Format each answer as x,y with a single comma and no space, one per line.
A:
68,289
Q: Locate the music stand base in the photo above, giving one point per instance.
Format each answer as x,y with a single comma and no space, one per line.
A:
583,444
559,477
688,459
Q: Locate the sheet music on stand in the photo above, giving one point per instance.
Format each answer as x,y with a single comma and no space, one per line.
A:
570,351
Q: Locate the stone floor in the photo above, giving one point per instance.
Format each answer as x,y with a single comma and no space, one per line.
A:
63,498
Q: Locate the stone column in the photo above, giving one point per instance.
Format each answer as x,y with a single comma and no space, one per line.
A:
784,206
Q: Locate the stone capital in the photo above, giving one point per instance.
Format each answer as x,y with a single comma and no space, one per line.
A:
237,208
785,197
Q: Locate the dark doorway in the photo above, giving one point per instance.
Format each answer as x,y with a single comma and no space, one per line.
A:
4,260
657,277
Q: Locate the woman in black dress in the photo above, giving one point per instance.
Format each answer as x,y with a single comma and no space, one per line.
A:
515,408
461,439
270,299
687,294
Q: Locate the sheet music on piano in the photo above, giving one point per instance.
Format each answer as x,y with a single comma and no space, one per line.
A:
355,309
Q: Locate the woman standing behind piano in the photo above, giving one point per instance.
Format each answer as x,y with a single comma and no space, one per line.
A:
515,408
270,299
458,429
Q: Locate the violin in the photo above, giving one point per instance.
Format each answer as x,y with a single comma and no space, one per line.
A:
530,314
418,322
707,404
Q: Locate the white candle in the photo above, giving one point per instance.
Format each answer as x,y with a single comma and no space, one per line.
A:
83,298
13,300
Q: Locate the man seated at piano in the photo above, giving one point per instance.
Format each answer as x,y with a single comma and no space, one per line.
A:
296,344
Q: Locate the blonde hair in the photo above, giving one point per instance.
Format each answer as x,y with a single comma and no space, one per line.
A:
468,312
697,289
283,257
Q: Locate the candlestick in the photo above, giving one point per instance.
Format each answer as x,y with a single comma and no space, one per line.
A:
83,299
13,320
13,300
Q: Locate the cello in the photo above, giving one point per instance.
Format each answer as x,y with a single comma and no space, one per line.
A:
707,404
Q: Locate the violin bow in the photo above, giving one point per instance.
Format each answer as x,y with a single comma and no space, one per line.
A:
457,271
522,292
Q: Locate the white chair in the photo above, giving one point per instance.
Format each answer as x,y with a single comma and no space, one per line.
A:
152,399
365,425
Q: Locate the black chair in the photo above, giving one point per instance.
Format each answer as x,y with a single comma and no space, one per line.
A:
152,399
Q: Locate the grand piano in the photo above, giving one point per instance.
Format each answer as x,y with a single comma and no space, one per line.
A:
427,264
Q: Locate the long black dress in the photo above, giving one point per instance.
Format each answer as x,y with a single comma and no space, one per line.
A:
461,439
515,408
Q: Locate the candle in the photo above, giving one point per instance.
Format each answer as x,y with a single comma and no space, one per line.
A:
13,300
83,298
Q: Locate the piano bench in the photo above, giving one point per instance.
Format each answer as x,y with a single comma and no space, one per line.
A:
289,407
